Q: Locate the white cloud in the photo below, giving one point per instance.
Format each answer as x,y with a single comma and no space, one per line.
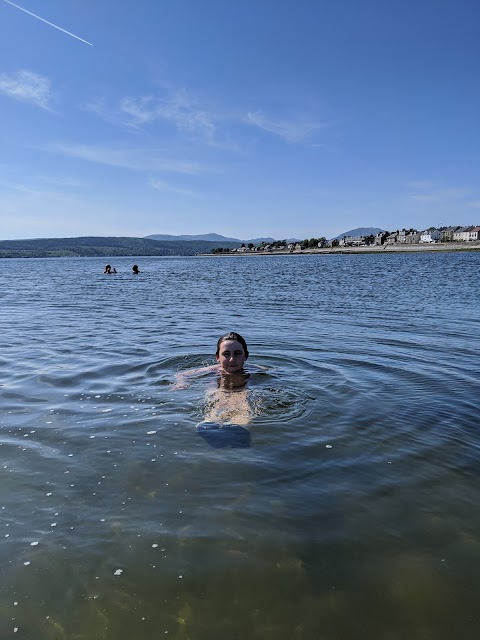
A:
432,193
63,181
126,158
291,131
421,184
162,185
97,106
27,86
178,109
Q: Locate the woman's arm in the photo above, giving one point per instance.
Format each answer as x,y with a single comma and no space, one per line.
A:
182,377
258,367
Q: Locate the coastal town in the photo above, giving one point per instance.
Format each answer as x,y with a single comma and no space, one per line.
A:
450,238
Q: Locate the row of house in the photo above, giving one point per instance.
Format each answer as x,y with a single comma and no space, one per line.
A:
405,236
268,247
412,236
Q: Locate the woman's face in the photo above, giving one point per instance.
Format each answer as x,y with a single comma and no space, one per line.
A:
231,356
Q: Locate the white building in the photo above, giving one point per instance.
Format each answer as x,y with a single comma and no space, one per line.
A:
474,234
462,234
430,236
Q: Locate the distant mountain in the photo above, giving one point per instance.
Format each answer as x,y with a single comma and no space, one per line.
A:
106,247
95,246
209,237
259,240
360,231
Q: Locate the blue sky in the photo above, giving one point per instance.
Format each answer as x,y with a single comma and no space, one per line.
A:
256,118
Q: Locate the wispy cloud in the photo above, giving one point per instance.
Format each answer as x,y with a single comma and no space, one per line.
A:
67,182
290,130
175,107
127,158
38,192
27,86
421,185
178,109
162,185
97,106
429,192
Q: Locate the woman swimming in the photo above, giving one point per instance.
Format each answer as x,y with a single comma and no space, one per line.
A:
231,353
228,401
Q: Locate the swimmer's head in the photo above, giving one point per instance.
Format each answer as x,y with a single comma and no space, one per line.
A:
232,335
232,351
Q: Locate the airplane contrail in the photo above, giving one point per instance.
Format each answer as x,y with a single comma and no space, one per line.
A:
47,22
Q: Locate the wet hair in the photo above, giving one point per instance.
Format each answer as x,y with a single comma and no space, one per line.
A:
232,335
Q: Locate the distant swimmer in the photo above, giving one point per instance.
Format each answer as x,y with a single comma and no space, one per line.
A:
135,269
109,269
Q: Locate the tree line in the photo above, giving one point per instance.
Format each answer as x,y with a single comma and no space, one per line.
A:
308,243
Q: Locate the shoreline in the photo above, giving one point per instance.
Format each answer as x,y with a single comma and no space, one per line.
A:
413,248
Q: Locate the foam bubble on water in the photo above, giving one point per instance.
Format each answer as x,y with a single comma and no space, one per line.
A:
151,433
154,546
27,563
54,524
34,544
118,572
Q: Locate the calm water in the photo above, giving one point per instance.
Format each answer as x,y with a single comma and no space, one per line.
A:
352,511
